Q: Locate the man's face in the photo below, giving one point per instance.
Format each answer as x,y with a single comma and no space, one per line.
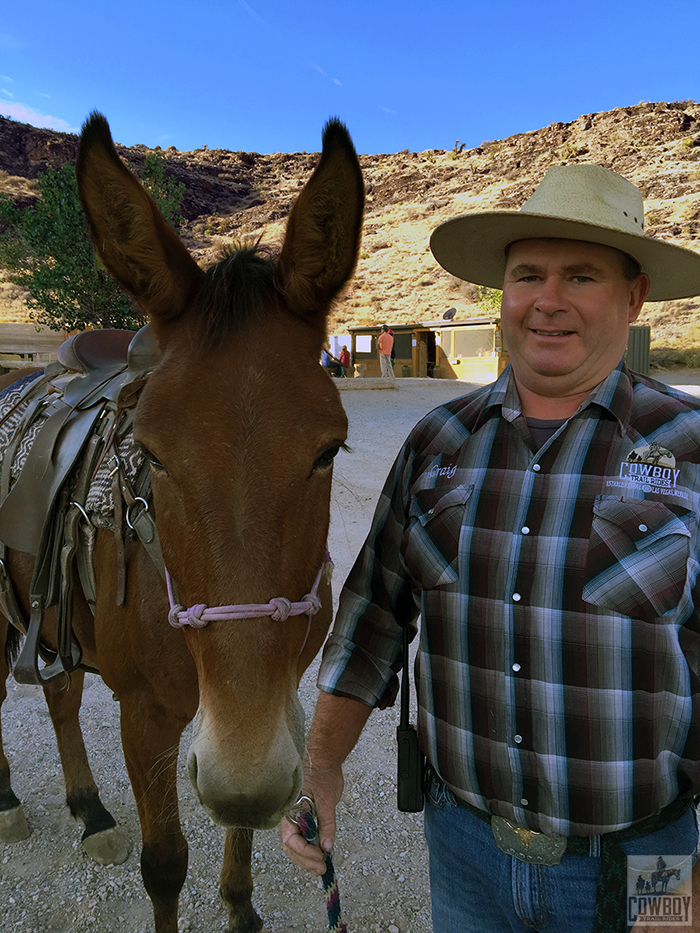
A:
566,311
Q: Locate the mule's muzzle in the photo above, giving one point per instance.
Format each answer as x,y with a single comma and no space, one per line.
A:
250,798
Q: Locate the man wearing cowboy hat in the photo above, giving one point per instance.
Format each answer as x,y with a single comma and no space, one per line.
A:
545,527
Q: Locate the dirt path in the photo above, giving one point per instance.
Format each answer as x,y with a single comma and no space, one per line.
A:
47,883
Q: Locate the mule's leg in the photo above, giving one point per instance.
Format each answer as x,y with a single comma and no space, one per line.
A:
13,825
101,839
237,882
151,739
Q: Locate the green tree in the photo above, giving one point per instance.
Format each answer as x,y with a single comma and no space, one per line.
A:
46,249
165,191
489,299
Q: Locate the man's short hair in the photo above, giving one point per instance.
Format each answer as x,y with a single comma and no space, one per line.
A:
630,267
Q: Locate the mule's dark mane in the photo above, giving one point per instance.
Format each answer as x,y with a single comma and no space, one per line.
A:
234,290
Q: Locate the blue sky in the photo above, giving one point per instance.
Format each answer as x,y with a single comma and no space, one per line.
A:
264,75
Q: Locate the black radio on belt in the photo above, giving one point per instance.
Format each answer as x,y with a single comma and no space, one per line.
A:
409,784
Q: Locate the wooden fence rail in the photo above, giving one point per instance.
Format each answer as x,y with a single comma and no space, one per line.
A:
22,344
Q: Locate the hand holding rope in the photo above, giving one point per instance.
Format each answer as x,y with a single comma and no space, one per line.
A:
305,818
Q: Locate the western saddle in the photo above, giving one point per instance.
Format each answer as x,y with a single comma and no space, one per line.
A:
83,407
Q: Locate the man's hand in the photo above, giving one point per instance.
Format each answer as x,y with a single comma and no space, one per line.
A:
325,788
336,728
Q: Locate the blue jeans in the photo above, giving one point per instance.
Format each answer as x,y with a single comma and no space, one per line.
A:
476,888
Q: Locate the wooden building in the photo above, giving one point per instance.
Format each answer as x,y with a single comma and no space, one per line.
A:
470,350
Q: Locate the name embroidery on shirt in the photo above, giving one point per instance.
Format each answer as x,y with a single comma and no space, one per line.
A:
447,471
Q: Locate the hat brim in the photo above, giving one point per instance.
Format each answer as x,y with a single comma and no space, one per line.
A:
473,247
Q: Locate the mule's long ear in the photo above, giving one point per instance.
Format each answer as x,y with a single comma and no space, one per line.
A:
130,235
324,228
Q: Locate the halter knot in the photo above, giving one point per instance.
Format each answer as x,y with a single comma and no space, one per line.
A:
315,604
194,616
283,608
174,615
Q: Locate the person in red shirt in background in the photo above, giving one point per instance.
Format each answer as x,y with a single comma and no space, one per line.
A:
345,360
385,342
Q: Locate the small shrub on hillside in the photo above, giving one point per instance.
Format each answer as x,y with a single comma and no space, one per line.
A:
664,358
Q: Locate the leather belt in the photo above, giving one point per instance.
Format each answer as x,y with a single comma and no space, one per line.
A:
530,846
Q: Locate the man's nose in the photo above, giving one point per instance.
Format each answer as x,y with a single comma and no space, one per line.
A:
550,296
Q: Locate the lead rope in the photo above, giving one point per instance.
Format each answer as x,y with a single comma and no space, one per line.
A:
307,825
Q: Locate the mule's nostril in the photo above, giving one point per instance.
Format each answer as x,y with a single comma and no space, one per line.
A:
192,768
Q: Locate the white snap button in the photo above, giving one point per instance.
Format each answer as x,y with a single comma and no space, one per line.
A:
518,738
516,667
643,528
524,801
525,530
516,597
536,467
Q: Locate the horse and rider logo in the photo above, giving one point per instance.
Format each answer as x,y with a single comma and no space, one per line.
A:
659,890
654,454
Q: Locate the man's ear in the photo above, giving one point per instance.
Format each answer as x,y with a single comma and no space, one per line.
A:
639,289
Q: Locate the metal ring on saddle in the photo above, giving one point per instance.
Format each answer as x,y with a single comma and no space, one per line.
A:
128,511
82,511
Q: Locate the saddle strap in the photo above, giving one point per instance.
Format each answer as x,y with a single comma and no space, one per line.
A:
139,517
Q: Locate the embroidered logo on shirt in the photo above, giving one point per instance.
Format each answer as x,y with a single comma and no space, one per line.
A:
650,468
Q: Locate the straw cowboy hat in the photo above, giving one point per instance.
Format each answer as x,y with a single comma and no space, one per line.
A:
573,202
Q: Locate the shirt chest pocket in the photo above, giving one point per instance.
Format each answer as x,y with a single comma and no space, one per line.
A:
637,557
430,545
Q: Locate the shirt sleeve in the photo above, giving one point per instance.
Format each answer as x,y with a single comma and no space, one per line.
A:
362,656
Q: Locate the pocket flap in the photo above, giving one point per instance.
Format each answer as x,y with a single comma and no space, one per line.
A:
641,520
427,503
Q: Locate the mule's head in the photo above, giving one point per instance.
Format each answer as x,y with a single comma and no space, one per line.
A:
241,425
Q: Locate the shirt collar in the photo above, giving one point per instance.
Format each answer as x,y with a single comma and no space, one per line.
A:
614,393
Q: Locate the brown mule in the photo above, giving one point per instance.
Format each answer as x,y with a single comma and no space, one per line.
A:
241,446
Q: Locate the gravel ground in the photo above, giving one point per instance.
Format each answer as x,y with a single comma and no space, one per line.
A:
48,884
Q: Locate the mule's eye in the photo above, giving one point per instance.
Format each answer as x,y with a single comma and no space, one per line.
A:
154,461
327,457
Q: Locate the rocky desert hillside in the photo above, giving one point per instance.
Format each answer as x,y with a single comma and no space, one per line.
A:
235,195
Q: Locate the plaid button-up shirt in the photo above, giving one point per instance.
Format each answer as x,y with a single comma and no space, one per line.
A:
559,651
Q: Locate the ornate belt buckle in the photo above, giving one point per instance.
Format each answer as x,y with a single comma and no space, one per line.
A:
527,845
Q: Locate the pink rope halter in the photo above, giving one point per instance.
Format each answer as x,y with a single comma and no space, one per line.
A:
279,609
